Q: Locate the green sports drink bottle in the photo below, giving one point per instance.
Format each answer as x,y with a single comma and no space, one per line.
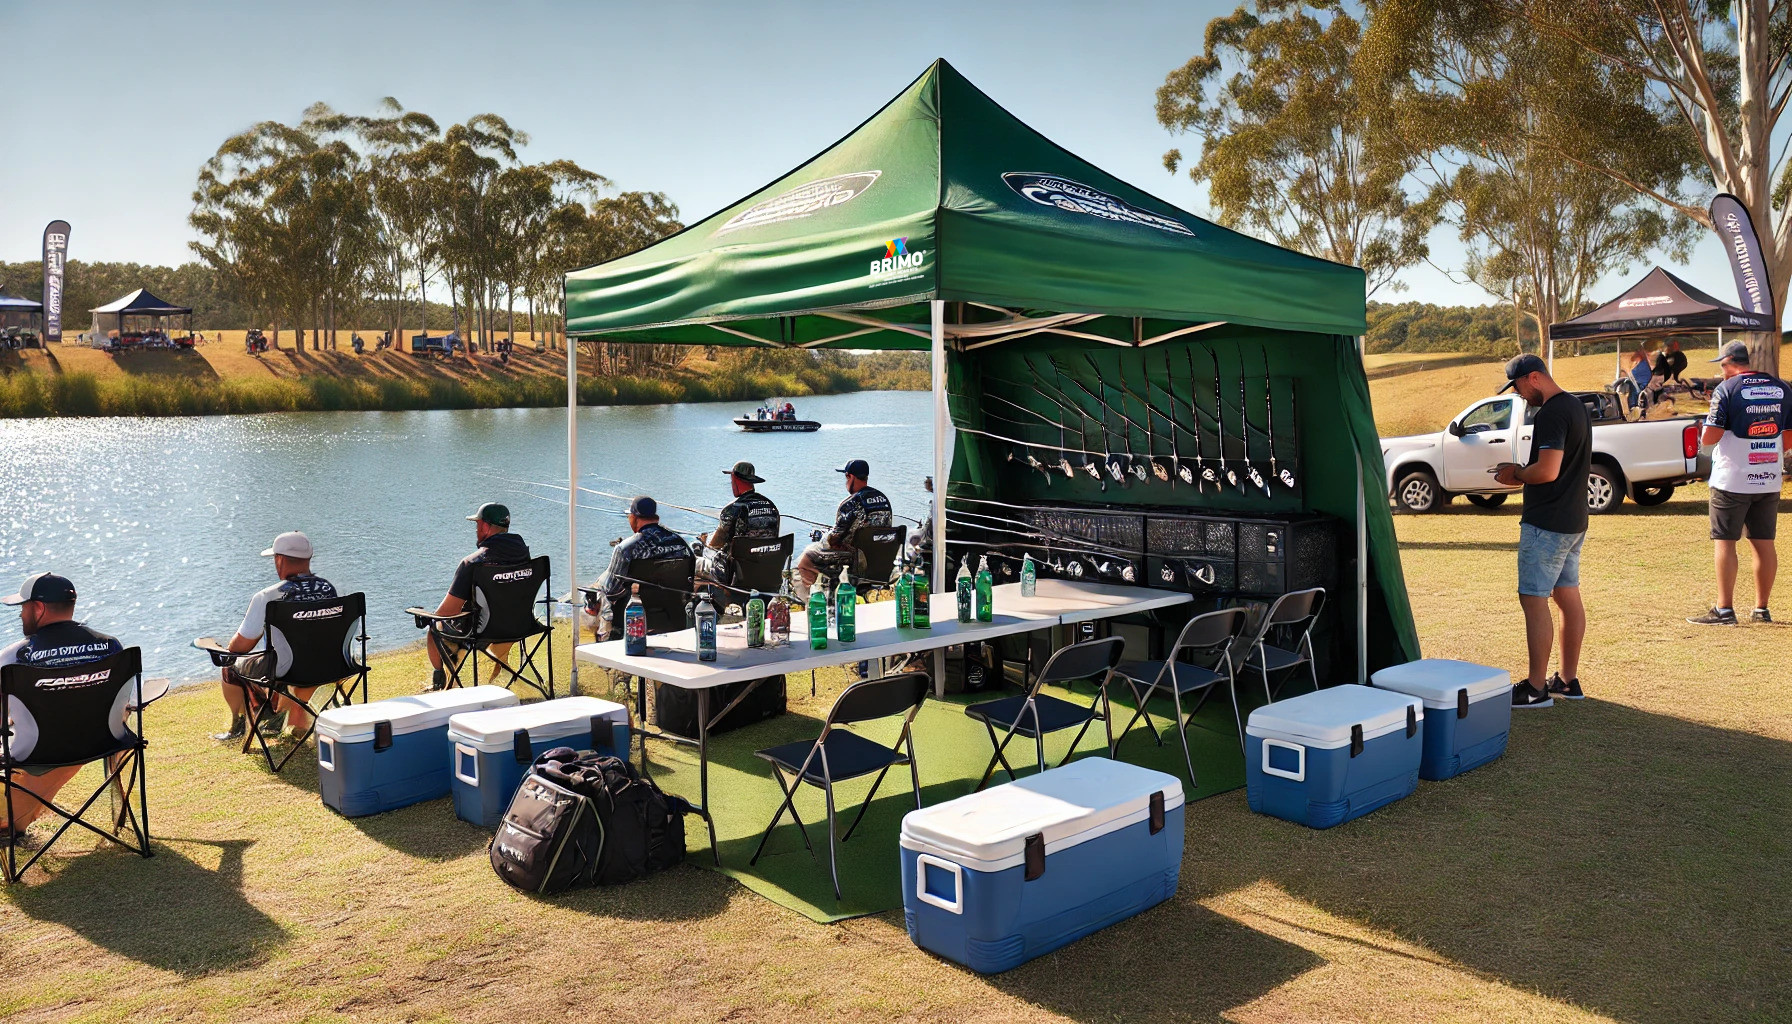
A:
922,615
846,600
818,620
905,599
756,620
986,583
1029,576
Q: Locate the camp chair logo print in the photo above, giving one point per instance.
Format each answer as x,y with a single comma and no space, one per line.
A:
318,613
68,682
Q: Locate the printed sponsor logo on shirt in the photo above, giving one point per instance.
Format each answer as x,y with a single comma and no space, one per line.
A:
1754,391
1762,478
1073,196
317,613
1753,410
67,651
802,201
1765,428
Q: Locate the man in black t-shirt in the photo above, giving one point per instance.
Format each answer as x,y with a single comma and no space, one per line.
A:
750,516
864,505
497,546
1552,529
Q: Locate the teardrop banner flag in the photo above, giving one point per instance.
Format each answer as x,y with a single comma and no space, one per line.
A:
1737,231
55,263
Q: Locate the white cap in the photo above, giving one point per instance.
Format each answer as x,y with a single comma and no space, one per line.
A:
292,545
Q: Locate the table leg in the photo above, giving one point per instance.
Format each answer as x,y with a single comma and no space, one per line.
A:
703,771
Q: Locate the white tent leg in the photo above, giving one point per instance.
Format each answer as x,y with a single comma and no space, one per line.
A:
941,431
572,498
1362,563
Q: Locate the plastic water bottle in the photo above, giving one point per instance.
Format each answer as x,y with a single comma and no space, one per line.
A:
922,601
846,602
966,589
634,624
818,620
706,630
756,620
986,584
905,598
777,615
1029,576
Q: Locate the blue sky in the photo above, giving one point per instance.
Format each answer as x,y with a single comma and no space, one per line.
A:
121,102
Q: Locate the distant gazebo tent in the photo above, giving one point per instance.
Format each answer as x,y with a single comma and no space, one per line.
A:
140,303
1659,306
18,312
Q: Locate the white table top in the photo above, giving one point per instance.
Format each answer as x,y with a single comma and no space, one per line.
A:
672,658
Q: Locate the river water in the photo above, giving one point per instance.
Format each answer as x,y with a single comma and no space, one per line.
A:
160,521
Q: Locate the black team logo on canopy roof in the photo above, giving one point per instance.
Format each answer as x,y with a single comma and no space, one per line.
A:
802,201
1076,197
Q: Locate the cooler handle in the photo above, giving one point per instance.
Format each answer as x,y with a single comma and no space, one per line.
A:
326,755
953,906
519,745
1299,774
1462,703
1412,721
1356,737
1034,856
600,733
382,735
467,755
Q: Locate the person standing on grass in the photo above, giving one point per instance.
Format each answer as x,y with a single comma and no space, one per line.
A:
1552,529
1748,418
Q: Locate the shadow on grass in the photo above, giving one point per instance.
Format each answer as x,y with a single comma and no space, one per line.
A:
166,363
167,912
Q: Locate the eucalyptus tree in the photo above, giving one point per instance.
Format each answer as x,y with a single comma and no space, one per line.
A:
397,142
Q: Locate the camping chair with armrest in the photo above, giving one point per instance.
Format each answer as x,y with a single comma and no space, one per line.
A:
76,715
309,645
500,613
1198,662
1289,621
665,590
839,754
879,545
759,563
1034,714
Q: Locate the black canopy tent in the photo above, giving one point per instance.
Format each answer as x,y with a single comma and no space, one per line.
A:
1658,306
140,303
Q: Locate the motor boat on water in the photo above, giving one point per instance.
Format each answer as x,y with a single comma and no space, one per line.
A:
775,418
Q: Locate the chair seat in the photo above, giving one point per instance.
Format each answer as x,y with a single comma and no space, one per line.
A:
1054,714
849,756
1188,677
1274,659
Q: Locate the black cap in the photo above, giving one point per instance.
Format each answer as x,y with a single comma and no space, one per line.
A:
45,586
493,513
1734,352
1520,365
644,507
744,470
857,467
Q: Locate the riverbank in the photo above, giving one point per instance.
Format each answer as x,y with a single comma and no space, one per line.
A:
220,377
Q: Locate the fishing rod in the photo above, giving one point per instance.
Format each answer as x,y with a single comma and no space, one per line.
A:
1135,466
1125,571
1064,464
1044,468
1269,412
1118,465
1250,468
1189,476
1057,397
1220,475
1111,461
1219,419
1035,530
1030,460
1160,465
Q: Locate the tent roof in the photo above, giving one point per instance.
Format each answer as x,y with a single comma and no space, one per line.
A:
13,302
140,303
943,194
1659,304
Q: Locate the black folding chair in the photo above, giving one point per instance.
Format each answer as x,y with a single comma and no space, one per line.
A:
839,755
1289,622
878,546
1035,714
75,715
1198,662
309,645
500,613
759,564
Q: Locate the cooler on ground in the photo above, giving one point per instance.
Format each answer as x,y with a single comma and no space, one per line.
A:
1325,757
1468,711
996,878
392,753
494,748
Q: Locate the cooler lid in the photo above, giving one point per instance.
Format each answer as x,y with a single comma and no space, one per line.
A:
1438,680
1083,800
494,730
412,713
1324,718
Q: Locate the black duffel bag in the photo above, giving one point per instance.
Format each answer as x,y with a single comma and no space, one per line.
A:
586,819
675,708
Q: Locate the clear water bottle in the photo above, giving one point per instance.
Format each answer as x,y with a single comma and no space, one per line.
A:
846,614
922,613
706,630
1029,576
756,620
966,589
986,585
777,615
634,624
818,620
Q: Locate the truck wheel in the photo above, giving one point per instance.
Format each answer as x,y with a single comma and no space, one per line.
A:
1649,497
1487,500
1418,493
1604,491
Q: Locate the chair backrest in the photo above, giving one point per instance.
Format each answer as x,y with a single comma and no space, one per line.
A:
504,599
759,563
1293,612
1208,638
885,697
314,641
665,590
1086,660
72,714
880,545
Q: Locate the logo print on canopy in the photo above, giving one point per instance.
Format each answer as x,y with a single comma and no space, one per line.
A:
1075,197
802,201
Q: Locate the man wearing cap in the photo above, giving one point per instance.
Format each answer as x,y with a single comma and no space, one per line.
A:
53,639
496,546
750,516
1551,530
864,505
648,540
1745,428
291,553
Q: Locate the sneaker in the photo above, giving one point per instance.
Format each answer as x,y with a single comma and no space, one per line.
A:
271,723
1714,617
438,679
1524,695
1760,615
235,732
1570,689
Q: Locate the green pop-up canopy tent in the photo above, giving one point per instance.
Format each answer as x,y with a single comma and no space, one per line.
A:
945,223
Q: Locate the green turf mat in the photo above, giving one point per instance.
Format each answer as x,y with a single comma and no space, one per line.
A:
951,749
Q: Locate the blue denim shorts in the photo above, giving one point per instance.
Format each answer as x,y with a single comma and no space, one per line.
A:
1547,560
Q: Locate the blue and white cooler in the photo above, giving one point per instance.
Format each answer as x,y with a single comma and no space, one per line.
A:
1326,757
1468,711
392,753
493,749
996,878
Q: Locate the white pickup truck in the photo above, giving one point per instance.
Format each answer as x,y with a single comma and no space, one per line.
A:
1643,458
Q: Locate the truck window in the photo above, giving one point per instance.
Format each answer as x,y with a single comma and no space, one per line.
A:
1530,414
1495,415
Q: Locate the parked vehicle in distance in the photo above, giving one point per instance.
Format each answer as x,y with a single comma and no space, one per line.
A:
1645,459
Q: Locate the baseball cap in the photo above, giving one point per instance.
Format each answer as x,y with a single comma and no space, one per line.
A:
1734,352
493,513
44,586
744,470
643,506
857,467
1520,365
292,545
